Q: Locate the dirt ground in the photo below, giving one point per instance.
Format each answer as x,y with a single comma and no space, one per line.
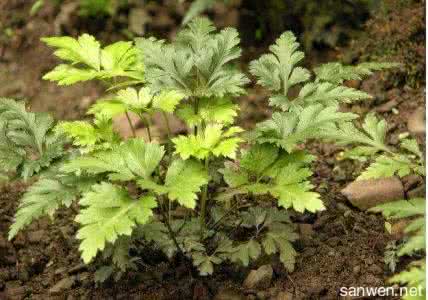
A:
341,246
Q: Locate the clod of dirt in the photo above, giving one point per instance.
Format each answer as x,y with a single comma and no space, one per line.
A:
259,279
365,194
416,122
62,285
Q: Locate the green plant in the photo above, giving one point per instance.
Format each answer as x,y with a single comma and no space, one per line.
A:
172,196
386,161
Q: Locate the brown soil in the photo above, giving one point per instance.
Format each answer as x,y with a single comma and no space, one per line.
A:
345,248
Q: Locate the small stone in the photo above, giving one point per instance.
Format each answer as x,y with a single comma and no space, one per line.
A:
416,122
62,285
259,279
365,194
284,296
229,294
36,236
356,269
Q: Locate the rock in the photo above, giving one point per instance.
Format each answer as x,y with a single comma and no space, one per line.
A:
365,194
229,294
259,279
284,296
14,291
62,285
416,122
306,231
36,236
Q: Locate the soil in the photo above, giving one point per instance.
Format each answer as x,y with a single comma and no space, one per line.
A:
340,247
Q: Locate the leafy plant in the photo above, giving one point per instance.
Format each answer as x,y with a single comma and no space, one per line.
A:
407,159
28,143
172,196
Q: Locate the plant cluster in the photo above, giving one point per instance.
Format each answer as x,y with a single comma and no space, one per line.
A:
213,195
407,159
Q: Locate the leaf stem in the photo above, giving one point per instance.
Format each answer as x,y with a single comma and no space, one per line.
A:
204,198
147,123
130,124
196,110
171,232
169,132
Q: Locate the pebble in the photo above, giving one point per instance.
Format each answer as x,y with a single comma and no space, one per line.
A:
62,285
365,194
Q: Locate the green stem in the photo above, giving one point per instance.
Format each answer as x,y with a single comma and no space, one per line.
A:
147,123
134,134
169,132
204,199
196,110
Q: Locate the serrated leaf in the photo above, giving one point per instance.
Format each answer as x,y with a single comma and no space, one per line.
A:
259,157
197,63
86,60
387,166
412,146
401,208
182,181
42,198
210,141
210,110
167,101
337,73
276,71
109,212
133,159
287,129
293,190
244,252
327,94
